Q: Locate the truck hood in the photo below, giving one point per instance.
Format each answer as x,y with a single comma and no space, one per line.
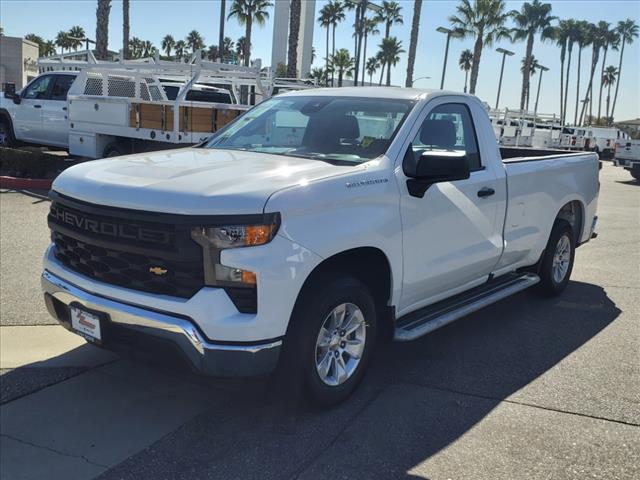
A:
194,181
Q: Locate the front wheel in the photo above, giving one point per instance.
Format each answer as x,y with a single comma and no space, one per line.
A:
6,133
330,339
635,174
557,262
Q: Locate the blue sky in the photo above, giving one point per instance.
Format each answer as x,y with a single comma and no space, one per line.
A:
152,19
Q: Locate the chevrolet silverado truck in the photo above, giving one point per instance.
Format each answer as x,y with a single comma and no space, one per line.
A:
313,225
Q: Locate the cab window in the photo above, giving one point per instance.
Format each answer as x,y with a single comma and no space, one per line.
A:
61,87
38,88
449,127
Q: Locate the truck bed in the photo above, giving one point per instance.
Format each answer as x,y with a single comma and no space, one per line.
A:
538,182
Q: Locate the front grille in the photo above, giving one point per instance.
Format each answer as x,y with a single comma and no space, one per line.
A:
126,248
147,251
130,270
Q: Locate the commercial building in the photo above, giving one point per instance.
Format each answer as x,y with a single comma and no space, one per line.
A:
281,35
18,60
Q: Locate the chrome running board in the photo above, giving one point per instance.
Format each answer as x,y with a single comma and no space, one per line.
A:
432,317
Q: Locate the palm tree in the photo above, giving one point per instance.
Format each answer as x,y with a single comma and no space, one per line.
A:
240,48
180,48
608,79
465,62
213,53
319,75
484,21
390,49
561,36
194,41
148,49
228,46
370,27
533,18
573,32
534,66
628,30
167,44
136,47
294,32
62,40
330,15
32,37
77,32
390,15
596,39
583,39
343,63
325,22
372,66
611,39
247,12
413,43
125,28
48,49
102,28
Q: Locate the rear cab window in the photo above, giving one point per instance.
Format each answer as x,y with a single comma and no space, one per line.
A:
61,87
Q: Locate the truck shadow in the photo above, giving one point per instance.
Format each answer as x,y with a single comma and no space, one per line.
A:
417,399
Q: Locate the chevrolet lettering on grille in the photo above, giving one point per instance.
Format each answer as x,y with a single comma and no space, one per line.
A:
112,229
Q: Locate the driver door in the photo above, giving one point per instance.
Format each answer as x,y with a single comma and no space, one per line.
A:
27,120
452,236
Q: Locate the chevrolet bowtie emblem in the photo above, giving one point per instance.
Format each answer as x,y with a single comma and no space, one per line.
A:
158,270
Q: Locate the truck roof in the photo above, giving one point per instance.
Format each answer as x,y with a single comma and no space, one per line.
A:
371,92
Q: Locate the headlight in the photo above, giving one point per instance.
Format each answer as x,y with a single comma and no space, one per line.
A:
214,239
235,235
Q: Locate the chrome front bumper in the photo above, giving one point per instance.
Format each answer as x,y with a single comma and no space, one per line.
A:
205,356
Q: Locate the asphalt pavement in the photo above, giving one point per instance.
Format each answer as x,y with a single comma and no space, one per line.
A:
529,387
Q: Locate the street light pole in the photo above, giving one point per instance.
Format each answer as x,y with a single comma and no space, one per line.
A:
535,108
448,31
221,37
504,56
421,78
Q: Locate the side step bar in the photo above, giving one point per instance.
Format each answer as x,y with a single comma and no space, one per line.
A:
432,317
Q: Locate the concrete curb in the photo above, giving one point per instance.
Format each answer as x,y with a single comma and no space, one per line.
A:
25,183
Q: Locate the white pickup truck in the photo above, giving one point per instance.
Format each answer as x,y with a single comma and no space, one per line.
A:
312,225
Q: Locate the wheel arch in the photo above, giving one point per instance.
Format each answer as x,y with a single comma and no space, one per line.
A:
371,266
573,212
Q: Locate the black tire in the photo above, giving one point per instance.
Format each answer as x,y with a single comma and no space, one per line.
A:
7,139
297,365
113,150
635,175
549,284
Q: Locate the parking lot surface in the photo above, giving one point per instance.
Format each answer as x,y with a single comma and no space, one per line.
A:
530,387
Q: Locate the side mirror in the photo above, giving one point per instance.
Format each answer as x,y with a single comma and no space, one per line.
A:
434,167
10,92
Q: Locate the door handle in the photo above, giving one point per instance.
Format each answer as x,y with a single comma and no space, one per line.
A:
37,106
486,192
64,108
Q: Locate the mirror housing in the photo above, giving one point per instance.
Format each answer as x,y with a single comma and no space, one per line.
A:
434,167
9,90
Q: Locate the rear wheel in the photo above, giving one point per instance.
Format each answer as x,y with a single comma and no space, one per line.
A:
557,262
113,150
635,174
330,339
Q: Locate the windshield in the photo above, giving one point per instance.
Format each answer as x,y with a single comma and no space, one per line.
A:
333,129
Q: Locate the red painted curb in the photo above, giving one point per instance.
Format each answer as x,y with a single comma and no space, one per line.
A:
25,183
